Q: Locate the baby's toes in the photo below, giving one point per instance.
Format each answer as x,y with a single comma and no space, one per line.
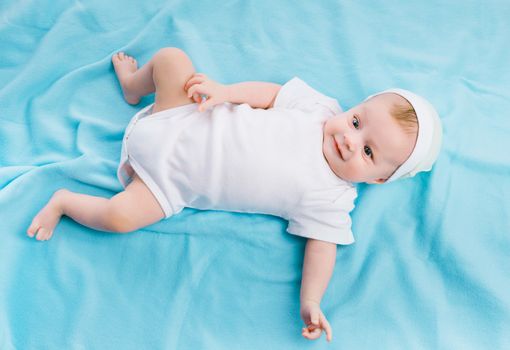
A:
48,235
117,57
32,230
42,234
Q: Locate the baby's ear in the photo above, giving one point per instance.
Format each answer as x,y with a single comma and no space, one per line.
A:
377,181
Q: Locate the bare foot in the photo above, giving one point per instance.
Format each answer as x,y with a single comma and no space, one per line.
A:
46,220
125,66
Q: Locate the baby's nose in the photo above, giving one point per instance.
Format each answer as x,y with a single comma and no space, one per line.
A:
350,142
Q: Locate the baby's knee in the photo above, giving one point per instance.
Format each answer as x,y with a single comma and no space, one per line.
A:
170,54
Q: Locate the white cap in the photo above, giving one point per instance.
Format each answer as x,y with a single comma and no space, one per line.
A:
430,134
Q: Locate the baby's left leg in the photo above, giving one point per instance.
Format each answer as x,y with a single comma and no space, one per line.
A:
127,211
165,74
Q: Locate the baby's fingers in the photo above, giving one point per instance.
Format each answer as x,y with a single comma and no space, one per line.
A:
195,79
327,328
206,104
197,98
311,332
196,89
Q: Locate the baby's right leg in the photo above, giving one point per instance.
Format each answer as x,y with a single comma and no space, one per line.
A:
127,211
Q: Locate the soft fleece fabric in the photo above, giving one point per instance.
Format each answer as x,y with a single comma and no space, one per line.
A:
429,269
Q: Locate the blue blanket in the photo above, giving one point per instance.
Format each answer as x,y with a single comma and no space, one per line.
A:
430,266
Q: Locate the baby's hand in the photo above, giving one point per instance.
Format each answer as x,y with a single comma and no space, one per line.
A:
200,85
315,321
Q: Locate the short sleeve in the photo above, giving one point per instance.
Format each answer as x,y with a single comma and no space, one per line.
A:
299,95
325,215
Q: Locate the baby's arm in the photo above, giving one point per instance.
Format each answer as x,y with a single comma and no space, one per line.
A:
255,93
318,267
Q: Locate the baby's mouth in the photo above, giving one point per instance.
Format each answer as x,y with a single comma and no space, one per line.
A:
338,149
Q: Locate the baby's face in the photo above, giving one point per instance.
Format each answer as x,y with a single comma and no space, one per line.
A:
365,143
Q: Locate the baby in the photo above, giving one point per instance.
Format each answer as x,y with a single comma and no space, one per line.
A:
253,147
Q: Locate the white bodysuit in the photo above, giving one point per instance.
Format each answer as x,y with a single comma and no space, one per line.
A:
237,158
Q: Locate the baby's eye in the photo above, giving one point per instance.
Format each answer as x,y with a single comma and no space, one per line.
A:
355,122
368,151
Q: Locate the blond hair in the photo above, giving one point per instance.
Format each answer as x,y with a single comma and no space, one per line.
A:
405,115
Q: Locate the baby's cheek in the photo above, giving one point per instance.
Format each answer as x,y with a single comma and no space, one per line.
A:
354,173
359,172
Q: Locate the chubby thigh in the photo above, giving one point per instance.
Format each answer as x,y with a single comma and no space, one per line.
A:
172,69
136,206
